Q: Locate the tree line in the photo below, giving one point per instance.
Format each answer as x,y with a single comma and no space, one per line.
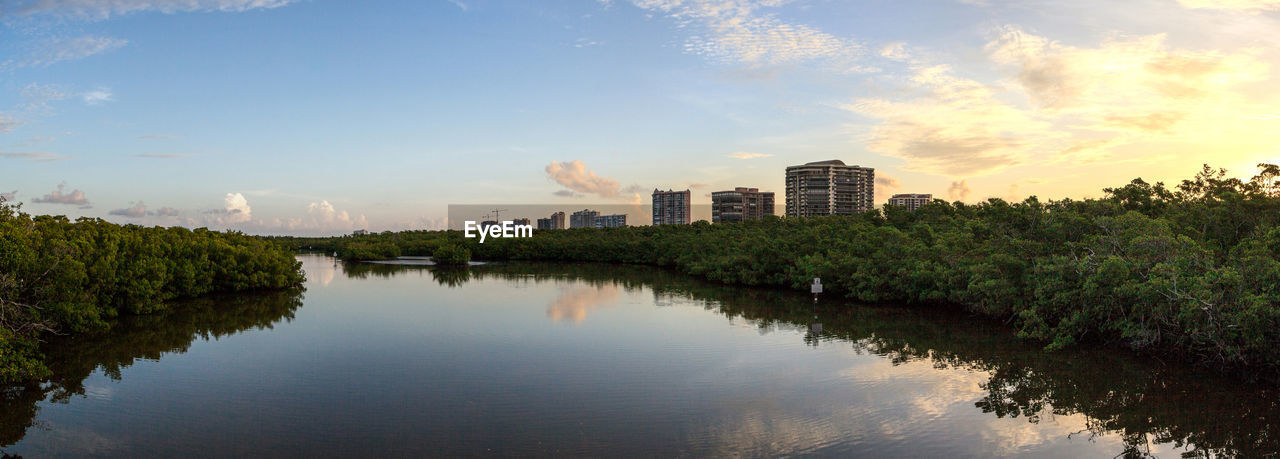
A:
1191,270
59,276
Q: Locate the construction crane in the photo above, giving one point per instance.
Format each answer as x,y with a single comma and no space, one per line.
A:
497,215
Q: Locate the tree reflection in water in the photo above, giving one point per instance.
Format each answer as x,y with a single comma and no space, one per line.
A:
1141,399
74,359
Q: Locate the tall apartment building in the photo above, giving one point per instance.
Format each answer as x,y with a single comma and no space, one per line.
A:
740,204
829,188
671,207
610,221
585,218
520,221
910,201
555,221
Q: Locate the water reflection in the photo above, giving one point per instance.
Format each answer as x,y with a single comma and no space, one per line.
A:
410,363
133,338
1148,404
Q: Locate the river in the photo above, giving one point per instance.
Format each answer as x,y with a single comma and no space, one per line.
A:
597,360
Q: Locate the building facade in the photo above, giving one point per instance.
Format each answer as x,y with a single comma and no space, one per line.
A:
829,188
585,218
671,207
610,221
555,221
520,221
740,204
910,201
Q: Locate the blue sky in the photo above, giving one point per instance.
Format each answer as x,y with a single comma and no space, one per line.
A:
319,117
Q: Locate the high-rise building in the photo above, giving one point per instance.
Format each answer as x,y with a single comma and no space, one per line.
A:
829,188
520,221
585,218
911,201
555,221
671,207
610,221
740,204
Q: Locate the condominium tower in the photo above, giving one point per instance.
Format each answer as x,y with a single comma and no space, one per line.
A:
829,188
585,218
555,221
910,201
671,207
740,204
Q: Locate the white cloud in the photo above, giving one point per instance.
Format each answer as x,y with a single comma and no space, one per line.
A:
96,10
748,155
235,209
166,212
40,157
65,49
1246,5
138,210
325,217
459,4
575,176
97,96
75,197
736,31
9,195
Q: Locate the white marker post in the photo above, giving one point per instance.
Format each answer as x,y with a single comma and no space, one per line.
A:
816,288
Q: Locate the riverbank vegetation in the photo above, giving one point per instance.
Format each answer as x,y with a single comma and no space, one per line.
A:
59,276
1191,270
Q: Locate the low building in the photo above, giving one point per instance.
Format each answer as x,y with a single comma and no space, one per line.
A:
520,221
911,201
585,218
359,232
610,221
740,204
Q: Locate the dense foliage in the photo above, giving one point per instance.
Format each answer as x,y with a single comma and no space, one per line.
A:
451,254
1193,269
62,276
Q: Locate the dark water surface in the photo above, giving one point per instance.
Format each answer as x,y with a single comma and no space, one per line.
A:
563,359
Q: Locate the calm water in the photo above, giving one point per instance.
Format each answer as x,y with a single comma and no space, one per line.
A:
545,359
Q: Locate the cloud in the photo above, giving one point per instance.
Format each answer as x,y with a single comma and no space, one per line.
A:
566,194
97,96
896,51
235,209
888,182
459,4
166,212
736,31
1012,194
162,155
138,210
575,176
959,191
157,137
1246,5
748,155
37,97
40,157
7,123
885,185
8,196
958,127
325,216
694,186
97,10
65,49
75,197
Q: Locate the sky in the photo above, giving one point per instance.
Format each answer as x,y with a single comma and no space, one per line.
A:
316,117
